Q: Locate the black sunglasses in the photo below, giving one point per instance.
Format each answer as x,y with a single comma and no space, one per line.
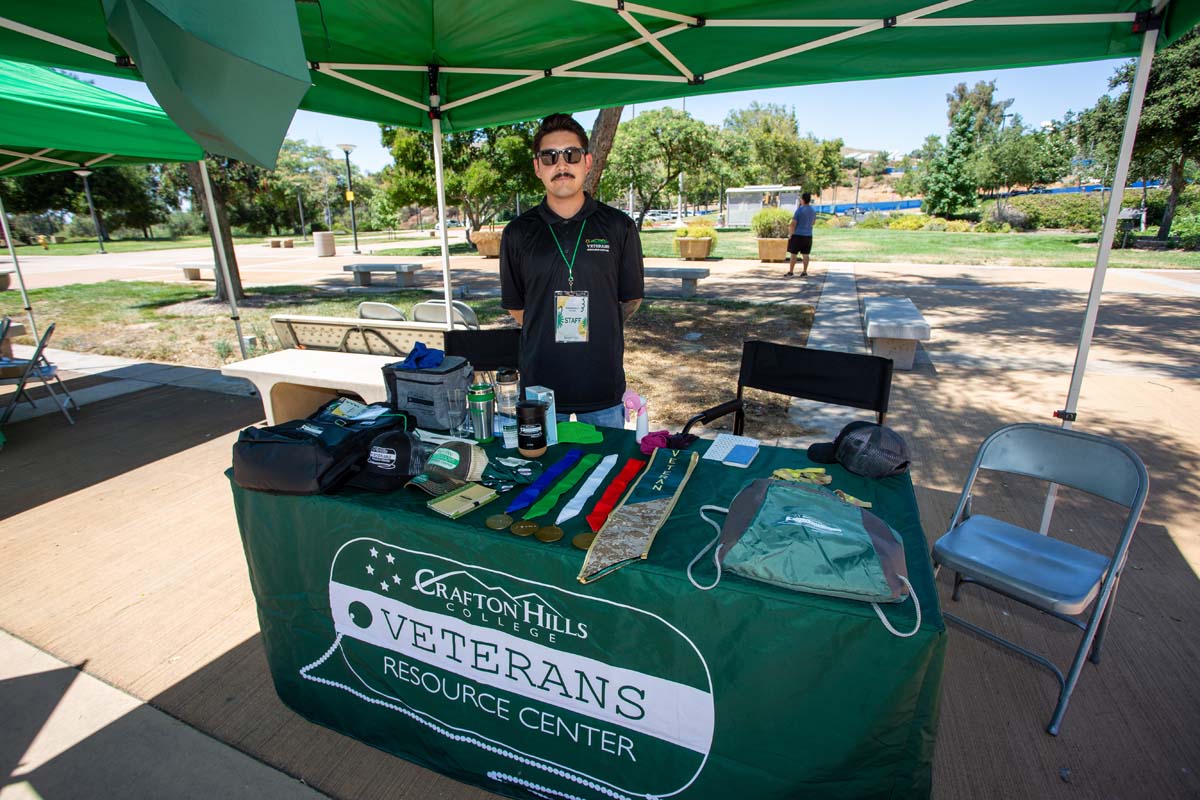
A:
572,155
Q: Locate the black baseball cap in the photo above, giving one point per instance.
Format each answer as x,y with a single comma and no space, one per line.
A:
864,448
394,457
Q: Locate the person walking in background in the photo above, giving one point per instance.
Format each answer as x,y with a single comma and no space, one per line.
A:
800,234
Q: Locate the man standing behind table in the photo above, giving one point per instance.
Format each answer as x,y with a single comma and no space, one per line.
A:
571,275
800,234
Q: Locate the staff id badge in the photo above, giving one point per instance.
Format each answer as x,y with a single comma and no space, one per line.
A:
570,317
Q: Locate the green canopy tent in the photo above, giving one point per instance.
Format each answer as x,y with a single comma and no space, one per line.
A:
53,123
463,64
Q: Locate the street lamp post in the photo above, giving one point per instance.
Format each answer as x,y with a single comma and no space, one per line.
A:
348,149
87,190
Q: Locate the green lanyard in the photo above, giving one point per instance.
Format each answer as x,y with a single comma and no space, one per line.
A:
575,252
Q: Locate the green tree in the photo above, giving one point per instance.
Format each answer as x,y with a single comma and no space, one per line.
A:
125,196
951,181
652,149
779,154
878,165
987,112
829,171
1170,125
483,168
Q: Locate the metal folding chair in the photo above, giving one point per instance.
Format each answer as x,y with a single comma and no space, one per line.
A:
827,376
18,372
1051,575
370,309
435,311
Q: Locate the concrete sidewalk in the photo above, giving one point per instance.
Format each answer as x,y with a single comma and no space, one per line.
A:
68,735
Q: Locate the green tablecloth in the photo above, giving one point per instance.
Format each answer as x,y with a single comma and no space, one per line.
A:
478,654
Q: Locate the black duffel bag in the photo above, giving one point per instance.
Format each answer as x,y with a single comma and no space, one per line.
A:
314,455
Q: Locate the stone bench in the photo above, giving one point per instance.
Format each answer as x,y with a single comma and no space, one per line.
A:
689,276
191,269
5,277
283,243
295,383
15,329
894,326
405,273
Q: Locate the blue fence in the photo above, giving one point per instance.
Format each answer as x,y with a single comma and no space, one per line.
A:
900,205
889,205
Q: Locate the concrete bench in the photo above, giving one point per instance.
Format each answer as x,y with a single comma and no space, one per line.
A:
393,338
5,277
191,269
689,276
283,243
15,329
894,326
295,383
405,273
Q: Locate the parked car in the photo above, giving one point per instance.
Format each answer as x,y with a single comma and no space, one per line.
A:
450,223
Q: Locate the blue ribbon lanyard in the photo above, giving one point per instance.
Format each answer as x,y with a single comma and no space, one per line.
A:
570,264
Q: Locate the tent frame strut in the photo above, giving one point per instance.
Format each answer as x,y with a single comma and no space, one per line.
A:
222,263
12,252
1133,115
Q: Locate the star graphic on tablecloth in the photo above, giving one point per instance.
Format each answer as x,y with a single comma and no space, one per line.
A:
370,570
383,585
396,578
391,558
374,553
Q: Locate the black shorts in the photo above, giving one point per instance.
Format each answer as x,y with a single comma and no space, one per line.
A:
800,244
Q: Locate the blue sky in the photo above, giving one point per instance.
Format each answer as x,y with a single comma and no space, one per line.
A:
894,115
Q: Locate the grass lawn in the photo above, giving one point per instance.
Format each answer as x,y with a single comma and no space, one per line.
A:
426,249
682,354
87,247
936,247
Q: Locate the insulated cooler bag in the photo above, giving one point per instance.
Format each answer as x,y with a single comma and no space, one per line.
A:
314,455
422,392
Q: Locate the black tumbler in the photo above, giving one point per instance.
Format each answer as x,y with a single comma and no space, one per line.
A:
531,429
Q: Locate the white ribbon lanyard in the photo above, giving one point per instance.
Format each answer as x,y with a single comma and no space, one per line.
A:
572,509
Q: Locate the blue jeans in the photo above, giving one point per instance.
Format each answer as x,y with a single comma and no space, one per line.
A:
605,418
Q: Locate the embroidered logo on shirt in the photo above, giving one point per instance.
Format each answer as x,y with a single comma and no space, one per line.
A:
596,245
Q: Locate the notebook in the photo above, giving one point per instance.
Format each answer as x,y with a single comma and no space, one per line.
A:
462,500
725,442
740,456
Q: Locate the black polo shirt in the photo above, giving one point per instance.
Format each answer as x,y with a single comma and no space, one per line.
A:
585,376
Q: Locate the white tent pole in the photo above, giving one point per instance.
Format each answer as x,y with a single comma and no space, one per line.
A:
441,202
1133,115
17,266
222,263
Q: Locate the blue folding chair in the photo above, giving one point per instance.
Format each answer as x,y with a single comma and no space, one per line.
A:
19,371
1056,577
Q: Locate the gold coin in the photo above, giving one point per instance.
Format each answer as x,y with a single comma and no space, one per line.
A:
523,527
498,522
548,533
583,540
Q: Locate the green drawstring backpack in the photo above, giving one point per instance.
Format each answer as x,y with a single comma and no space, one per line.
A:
808,539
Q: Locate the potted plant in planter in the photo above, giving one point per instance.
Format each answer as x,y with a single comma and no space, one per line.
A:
696,242
771,227
487,242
